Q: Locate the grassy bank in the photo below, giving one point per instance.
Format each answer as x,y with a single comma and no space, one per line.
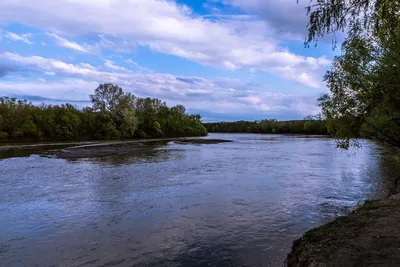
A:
368,236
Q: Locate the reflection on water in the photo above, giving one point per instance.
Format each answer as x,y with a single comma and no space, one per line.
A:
229,204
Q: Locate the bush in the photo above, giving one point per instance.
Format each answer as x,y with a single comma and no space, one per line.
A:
17,135
3,135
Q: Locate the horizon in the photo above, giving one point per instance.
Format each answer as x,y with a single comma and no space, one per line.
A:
226,60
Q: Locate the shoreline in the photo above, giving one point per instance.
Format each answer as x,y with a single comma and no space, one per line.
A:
367,236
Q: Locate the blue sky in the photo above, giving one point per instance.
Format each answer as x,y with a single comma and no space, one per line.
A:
224,59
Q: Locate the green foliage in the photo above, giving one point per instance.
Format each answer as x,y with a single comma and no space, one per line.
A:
113,115
156,128
310,125
364,80
110,131
3,135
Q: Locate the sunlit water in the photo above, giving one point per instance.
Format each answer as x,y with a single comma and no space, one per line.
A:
230,204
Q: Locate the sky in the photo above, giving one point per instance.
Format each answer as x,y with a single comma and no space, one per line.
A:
224,59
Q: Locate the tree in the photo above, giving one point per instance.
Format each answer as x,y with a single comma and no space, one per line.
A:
129,122
106,98
116,108
364,81
179,110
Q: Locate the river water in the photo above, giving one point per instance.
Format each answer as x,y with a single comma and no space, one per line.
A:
231,204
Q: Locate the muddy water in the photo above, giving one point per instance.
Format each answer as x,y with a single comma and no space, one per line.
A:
228,204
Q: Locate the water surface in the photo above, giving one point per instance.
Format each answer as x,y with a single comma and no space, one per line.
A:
229,204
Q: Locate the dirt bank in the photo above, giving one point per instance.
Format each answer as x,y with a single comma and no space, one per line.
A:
369,236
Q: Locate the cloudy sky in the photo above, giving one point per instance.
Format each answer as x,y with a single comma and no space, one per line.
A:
224,59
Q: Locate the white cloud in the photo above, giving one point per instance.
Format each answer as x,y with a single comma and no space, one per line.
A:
167,27
130,61
48,65
62,42
137,66
122,46
88,66
18,37
223,96
287,17
111,65
229,65
69,89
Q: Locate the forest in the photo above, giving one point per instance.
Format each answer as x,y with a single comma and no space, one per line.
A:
313,125
114,114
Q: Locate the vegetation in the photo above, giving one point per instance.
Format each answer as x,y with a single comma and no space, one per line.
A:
310,125
113,115
364,81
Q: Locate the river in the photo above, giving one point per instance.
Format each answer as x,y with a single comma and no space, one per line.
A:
230,204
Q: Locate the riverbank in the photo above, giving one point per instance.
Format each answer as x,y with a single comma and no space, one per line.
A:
368,236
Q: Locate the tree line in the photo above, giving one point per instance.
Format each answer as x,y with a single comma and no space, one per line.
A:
313,125
114,114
